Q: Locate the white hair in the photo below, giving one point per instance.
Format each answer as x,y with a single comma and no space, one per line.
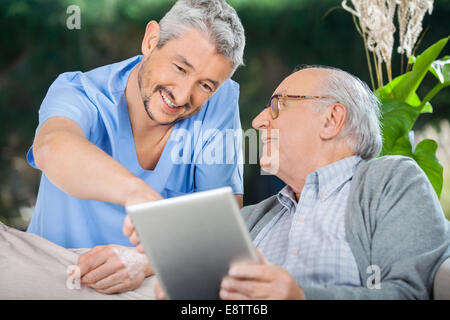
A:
362,129
216,18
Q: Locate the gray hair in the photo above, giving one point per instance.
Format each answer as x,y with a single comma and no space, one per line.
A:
216,18
362,128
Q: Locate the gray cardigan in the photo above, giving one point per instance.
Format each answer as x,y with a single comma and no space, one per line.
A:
393,221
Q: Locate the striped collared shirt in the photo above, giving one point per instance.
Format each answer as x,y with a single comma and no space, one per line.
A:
308,238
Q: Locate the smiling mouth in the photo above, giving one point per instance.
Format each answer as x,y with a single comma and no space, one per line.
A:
167,101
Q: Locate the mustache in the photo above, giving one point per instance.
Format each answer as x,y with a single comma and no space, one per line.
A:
170,94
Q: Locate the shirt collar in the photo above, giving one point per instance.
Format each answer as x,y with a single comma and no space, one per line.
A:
286,197
328,179
334,175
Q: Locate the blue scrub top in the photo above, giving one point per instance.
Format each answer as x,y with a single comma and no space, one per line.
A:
202,153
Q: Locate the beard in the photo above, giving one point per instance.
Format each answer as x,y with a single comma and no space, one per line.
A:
146,99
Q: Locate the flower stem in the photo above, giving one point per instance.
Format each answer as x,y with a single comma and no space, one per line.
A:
380,68
389,72
377,69
369,63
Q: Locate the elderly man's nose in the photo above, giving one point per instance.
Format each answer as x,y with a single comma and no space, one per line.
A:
261,120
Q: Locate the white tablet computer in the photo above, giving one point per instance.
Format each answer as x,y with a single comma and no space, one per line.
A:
192,240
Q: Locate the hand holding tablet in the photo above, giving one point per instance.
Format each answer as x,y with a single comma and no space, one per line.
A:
191,241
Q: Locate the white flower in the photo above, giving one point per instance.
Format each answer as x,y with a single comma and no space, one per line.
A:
410,15
376,20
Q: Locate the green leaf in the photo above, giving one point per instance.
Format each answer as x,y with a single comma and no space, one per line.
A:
402,147
409,84
428,108
389,90
405,85
415,101
441,70
425,156
388,93
401,106
398,118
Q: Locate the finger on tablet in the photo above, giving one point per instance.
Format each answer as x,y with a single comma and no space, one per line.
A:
261,257
128,227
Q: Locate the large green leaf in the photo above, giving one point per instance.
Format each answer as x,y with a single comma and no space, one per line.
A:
415,101
404,86
425,156
408,85
401,106
389,90
402,146
398,118
388,93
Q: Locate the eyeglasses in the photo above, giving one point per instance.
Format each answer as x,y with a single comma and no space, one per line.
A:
278,101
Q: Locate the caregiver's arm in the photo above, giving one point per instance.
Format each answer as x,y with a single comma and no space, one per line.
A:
81,169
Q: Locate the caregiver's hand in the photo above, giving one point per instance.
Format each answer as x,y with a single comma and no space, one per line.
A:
130,232
128,228
113,268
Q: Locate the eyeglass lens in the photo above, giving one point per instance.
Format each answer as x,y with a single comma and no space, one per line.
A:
274,107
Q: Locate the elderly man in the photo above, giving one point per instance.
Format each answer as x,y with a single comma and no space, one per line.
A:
347,225
105,138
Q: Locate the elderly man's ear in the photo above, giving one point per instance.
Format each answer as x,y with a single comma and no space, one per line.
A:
333,121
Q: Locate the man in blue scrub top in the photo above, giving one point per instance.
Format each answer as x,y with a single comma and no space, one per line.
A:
109,137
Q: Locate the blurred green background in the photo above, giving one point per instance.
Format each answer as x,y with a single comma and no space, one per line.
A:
36,46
